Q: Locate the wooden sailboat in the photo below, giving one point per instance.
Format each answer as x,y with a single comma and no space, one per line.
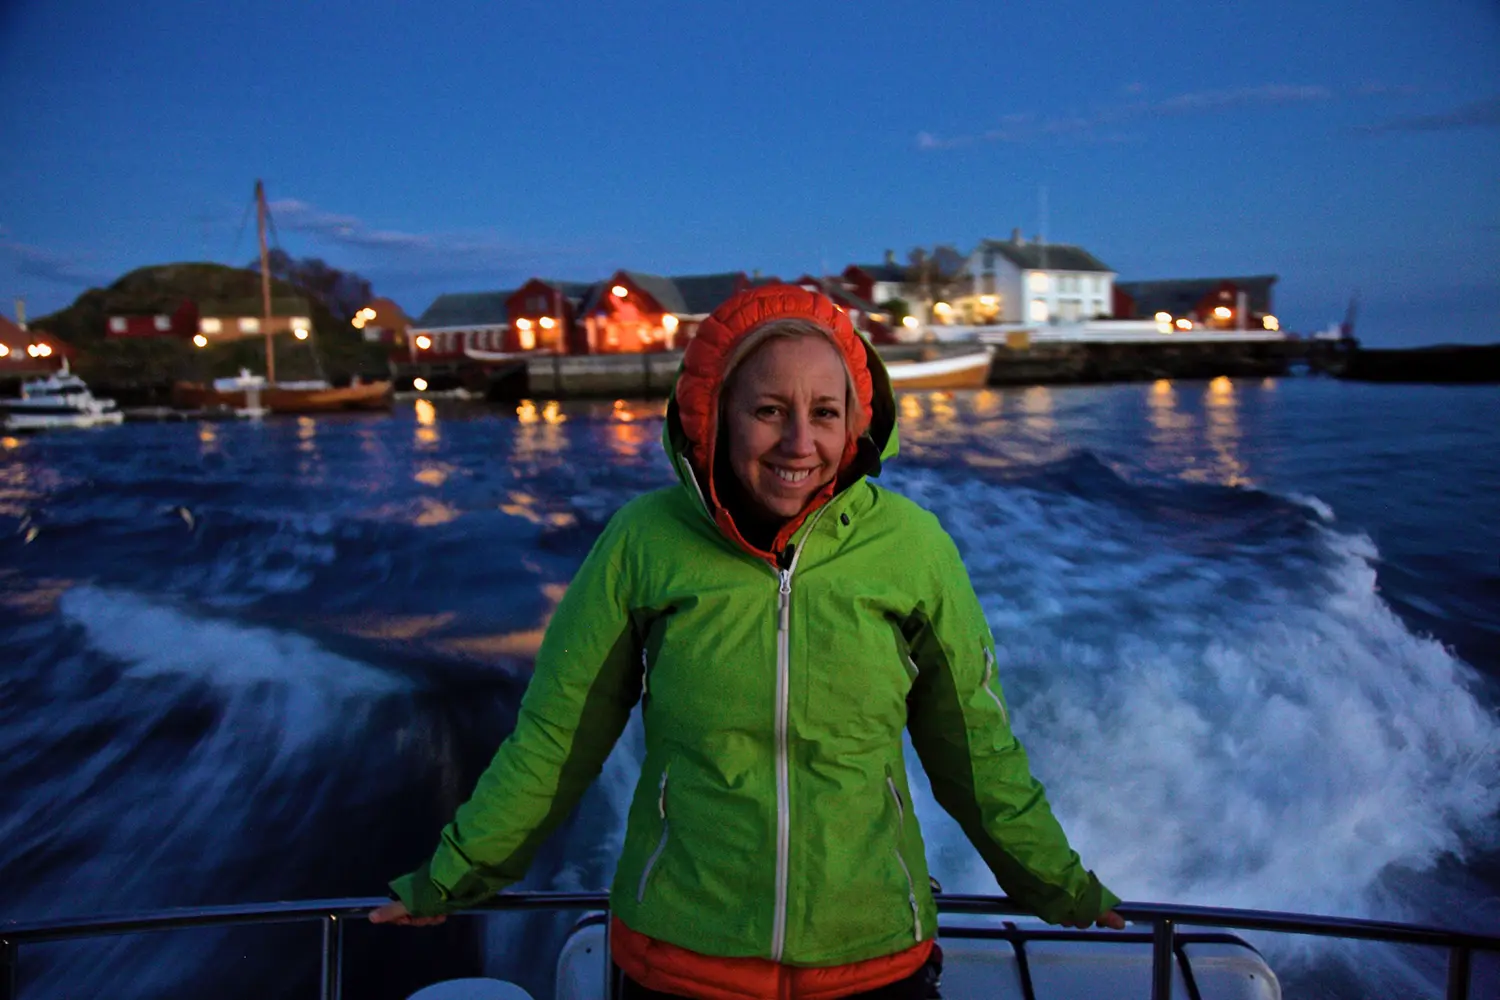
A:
313,396
963,371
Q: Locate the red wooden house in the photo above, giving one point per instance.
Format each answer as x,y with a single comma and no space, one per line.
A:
544,317
181,323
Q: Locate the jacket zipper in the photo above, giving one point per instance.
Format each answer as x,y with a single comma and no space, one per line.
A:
989,670
783,720
911,890
661,808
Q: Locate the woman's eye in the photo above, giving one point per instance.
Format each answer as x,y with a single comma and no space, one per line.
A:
766,412
827,413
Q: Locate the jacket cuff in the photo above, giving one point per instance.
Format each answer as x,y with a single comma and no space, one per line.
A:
419,894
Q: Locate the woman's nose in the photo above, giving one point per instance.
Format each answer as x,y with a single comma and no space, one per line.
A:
797,437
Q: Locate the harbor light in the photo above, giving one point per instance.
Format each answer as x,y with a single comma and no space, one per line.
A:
419,384
619,291
910,322
367,314
358,322
989,300
45,350
669,323
423,342
1270,322
300,333
1223,312
1164,317
1184,324
523,324
4,350
547,322
199,340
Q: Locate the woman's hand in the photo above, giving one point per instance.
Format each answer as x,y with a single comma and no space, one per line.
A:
395,912
1109,919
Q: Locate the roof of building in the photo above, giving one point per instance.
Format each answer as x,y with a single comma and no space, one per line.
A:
1036,256
1181,296
575,290
840,295
885,272
703,293
465,309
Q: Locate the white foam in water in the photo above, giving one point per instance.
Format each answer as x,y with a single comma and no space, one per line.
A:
155,639
1210,733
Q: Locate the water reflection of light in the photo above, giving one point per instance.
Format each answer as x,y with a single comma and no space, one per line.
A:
433,512
911,407
208,438
943,412
307,434
1268,383
10,443
526,412
433,474
552,413
622,411
527,506
1036,408
1223,433
988,403
427,429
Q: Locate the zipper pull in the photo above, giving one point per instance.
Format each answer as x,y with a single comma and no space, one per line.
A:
786,599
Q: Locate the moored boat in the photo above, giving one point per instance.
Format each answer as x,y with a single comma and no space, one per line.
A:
962,371
61,399
284,397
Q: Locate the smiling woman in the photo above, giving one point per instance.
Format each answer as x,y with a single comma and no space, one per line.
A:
781,621
789,409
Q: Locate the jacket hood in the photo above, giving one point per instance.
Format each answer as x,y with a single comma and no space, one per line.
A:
690,435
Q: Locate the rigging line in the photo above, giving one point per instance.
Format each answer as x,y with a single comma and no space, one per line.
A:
234,253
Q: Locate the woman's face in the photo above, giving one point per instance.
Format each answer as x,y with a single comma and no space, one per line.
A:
786,421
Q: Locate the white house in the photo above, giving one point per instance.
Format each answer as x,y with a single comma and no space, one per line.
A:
1015,281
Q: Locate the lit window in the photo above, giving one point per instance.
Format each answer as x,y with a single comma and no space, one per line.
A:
163,323
1038,310
1164,317
212,325
548,322
249,324
117,324
1222,312
1037,281
528,337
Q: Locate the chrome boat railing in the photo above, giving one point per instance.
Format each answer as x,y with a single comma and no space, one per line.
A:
1164,920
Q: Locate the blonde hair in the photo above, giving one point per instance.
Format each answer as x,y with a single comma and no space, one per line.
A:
790,328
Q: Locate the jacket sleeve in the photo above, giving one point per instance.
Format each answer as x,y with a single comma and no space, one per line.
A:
960,728
586,680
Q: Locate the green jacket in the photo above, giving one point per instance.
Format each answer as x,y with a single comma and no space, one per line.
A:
772,817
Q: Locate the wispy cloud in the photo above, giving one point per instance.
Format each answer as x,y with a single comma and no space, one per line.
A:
1476,114
47,265
1110,124
394,252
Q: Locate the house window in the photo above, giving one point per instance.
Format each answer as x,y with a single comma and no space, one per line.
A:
1037,281
249,324
1039,310
1070,312
211,324
117,324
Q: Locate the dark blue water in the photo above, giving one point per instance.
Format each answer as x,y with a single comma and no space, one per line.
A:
1250,631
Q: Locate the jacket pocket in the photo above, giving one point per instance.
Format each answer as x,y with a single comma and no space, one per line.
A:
911,890
661,845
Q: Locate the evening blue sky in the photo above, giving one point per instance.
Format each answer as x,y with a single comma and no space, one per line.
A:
1345,146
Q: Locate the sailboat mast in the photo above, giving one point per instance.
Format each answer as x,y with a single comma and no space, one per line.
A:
265,282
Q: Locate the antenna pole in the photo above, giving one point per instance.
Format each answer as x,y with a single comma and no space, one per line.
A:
265,282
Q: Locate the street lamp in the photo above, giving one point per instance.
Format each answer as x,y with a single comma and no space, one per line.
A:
423,342
199,340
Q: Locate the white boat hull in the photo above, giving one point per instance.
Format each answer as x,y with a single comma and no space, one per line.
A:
20,420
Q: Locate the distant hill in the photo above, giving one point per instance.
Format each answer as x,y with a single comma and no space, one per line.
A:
140,363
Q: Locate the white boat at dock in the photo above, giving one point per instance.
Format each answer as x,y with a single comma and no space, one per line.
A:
59,400
970,370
